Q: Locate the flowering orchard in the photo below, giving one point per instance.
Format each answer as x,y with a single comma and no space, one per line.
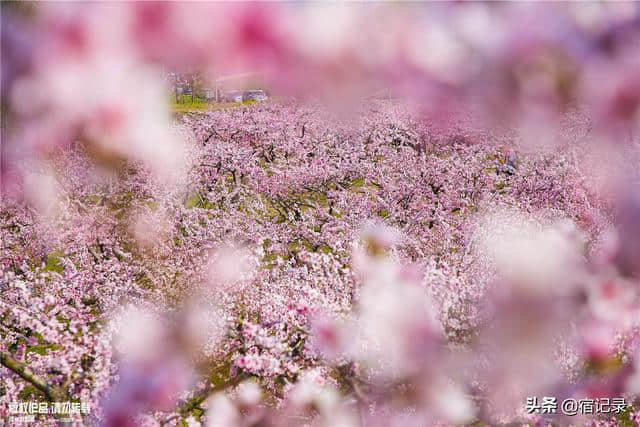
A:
460,251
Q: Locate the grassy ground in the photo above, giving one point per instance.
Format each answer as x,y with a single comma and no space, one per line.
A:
189,104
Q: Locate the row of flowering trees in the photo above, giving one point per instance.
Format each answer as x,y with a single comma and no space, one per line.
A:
436,260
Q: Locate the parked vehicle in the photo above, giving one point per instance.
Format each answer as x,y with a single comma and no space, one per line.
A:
233,96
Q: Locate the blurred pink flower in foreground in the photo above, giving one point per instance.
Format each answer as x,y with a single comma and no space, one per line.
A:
147,380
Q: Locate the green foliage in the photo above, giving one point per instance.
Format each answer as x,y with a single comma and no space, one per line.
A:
607,366
325,249
221,374
60,318
358,182
29,393
120,201
624,418
199,201
270,257
53,262
43,349
93,199
145,282
500,185
384,213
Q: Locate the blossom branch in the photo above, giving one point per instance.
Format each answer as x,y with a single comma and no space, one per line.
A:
190,404
52,393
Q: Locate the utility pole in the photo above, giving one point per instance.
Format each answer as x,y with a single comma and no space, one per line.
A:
215,86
